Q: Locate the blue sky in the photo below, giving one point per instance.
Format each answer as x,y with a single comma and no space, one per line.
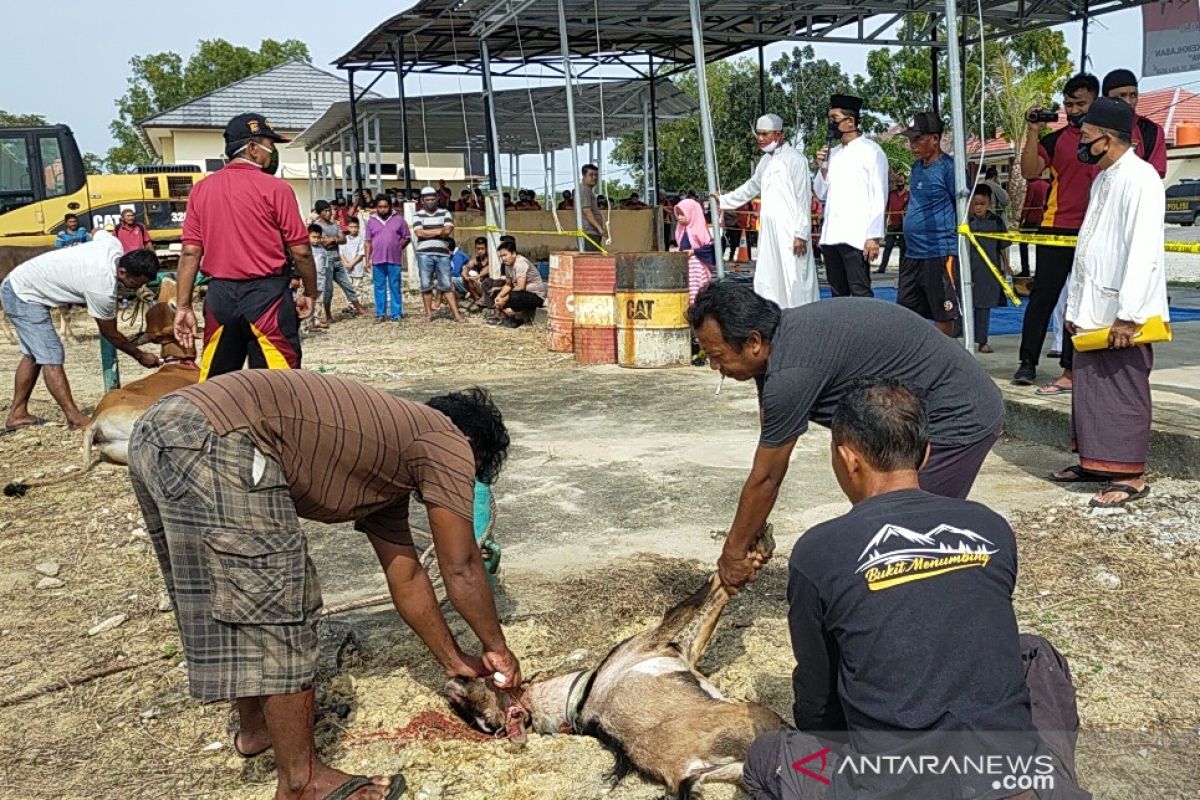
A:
86,70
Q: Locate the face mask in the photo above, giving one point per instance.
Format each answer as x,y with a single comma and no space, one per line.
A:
833,129
769,147
1075,120
1086,155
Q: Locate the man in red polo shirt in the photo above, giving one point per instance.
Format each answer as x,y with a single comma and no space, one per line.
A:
132,234
1149,140
1070,188
243,227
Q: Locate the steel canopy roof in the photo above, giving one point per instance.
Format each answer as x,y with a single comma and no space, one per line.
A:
444,35
436,122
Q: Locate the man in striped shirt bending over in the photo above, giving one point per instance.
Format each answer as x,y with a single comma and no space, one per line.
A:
225,470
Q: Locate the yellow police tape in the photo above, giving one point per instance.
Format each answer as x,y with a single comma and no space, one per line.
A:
573,234
1056,240
1059,240
1008,290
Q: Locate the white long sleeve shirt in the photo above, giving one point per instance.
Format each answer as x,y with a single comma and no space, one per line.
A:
781,179
854,189
1118,271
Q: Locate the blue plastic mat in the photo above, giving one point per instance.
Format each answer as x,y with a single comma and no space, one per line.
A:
1008,320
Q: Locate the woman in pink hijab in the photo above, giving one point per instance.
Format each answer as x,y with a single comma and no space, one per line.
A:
692,236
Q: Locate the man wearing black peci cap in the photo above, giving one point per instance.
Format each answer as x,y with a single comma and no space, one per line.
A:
1149,140
242,225
852,182
928,282
1119,284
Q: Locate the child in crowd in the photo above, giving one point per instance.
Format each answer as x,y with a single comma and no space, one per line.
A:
316,241
352,255
987,291
693,237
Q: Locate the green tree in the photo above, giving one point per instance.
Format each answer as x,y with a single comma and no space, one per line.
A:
898,82
799,92
160,81
10,120
797,86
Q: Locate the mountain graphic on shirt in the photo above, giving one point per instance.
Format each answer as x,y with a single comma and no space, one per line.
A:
898,555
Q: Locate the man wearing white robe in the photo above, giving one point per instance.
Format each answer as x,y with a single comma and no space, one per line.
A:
852,182
1118,282
784,272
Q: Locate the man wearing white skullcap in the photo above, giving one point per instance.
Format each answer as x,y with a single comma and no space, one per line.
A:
784,272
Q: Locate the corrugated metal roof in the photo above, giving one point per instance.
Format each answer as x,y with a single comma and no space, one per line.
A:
291,96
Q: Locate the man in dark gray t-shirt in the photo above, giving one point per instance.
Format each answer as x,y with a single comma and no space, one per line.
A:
593,224
804,358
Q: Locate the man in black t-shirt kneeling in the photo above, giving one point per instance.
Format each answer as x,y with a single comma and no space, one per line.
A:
911,679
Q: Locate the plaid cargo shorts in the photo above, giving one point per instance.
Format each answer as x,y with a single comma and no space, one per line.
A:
232,553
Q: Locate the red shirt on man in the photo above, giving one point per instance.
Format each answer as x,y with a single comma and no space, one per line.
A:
1143,129
243,218
1035,202
1070,180
132,237
897,202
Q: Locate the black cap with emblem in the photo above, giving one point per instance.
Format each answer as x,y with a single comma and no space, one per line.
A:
249,126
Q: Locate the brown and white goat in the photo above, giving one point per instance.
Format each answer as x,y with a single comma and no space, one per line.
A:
645,699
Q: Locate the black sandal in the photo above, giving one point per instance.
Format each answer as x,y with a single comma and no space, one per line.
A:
1080,475
1131,493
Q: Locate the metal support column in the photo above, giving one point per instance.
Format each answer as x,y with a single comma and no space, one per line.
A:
309,184
565,47
489,108
378,158
1083,53
710,157
546,179
356,180
646,150
365,143
934,76
958,122
762,82
654,131
398,53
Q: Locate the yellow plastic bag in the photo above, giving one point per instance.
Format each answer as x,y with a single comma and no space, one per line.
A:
1155,330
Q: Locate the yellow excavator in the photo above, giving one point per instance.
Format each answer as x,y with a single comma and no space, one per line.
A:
42,179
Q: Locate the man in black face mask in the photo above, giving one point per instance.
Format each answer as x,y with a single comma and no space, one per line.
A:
242,224
1070,185
852,182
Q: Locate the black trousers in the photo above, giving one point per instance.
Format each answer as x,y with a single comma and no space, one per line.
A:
1053,270
983,321
525,302
848,273
1024,247
892,240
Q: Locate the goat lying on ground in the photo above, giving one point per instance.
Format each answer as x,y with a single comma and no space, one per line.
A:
645,699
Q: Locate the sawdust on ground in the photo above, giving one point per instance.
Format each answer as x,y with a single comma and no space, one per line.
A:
137,734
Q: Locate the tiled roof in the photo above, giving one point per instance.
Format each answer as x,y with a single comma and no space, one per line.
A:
1169,107
291,96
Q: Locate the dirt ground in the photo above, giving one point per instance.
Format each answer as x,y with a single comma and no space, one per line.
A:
616,485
